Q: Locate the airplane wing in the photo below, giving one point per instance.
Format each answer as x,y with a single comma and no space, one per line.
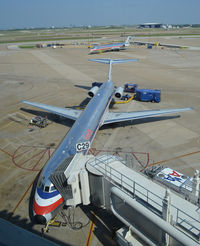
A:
65,112
112,117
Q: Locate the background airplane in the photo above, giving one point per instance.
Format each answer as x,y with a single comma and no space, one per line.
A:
48,198
110,47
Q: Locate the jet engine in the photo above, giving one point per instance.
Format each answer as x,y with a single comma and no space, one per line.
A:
119,92
93,91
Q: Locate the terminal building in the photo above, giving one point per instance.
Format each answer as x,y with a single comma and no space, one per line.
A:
151,25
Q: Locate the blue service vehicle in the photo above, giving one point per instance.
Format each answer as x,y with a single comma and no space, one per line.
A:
147,95
131,88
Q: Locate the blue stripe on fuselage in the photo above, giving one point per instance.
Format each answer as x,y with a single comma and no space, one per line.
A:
46,195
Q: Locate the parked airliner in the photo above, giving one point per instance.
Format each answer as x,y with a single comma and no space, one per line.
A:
110,47
48,200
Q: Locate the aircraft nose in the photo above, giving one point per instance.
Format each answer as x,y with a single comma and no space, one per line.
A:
40,219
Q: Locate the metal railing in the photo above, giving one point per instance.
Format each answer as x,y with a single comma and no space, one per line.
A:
123,181
132,188
187,219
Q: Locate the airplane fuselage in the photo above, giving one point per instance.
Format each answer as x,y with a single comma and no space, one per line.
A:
110,47
107,47
82,132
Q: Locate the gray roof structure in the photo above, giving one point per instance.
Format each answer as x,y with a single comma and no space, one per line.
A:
11,234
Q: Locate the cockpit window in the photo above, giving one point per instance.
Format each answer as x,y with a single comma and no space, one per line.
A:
46,189
53,188
41,185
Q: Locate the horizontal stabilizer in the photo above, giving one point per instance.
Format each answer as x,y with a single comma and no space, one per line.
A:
112,117
115,61
65,112
110,62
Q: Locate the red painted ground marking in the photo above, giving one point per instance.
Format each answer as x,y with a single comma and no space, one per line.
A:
5,152
29,158
39,160
32,157
49,152
95,152
46,150
141,163
22,152
174,158
22,198
30,149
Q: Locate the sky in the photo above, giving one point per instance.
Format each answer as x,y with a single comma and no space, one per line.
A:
59,13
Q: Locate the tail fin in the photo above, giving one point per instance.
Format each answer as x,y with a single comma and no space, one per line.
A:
127,41
110,61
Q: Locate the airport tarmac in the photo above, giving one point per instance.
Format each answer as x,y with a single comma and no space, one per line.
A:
60,77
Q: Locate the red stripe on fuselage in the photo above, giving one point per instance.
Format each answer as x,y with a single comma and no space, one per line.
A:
42,210
107,48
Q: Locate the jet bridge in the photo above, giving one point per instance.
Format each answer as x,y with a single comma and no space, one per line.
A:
71,180
155,214
151,211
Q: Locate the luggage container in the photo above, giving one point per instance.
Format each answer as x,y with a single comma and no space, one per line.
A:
147,95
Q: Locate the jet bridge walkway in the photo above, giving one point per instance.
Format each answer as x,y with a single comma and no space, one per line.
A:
122,185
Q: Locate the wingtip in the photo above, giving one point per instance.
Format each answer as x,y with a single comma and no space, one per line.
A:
190,108
24,101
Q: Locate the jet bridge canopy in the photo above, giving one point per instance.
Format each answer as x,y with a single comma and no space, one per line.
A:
58,178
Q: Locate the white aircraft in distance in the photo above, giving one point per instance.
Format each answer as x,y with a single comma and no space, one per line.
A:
110,47
47,199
